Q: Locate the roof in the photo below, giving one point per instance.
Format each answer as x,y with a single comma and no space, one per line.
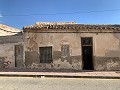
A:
7,30
70,26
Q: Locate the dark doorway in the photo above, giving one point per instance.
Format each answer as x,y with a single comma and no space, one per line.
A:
87,53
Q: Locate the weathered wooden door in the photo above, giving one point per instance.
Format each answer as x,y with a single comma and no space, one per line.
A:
19,55
87,53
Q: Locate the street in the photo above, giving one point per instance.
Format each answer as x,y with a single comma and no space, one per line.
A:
30,83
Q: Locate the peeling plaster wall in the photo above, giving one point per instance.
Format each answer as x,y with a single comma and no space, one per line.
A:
106,50
35,40
7,55
7,51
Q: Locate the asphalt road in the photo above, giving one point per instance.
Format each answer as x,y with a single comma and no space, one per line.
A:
29,83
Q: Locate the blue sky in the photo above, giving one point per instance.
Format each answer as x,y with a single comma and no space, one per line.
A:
19,13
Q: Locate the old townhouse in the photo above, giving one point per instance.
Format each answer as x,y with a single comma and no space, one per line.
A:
71,46
11,48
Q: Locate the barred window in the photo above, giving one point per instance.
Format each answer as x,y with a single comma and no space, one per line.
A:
45,54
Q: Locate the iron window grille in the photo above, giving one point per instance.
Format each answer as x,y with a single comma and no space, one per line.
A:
45,54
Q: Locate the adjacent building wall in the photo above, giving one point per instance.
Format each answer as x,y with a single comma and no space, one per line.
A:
7,51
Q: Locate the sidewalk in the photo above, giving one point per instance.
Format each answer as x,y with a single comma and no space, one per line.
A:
66,74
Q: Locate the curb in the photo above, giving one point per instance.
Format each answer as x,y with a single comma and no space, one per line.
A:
58,76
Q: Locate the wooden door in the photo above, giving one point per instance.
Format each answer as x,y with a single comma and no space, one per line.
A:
19,55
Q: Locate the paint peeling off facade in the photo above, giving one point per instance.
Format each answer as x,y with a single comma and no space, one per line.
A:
71,46
11,48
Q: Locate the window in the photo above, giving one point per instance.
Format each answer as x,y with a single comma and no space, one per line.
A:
65,52
45,54
86,41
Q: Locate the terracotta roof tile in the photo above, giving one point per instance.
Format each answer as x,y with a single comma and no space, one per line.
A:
70,25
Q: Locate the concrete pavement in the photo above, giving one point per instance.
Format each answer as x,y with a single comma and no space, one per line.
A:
30,83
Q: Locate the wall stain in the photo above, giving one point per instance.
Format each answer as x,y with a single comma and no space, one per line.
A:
107,63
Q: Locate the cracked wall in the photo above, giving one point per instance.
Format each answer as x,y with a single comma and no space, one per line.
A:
35,40
7,55
106,50
7,51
